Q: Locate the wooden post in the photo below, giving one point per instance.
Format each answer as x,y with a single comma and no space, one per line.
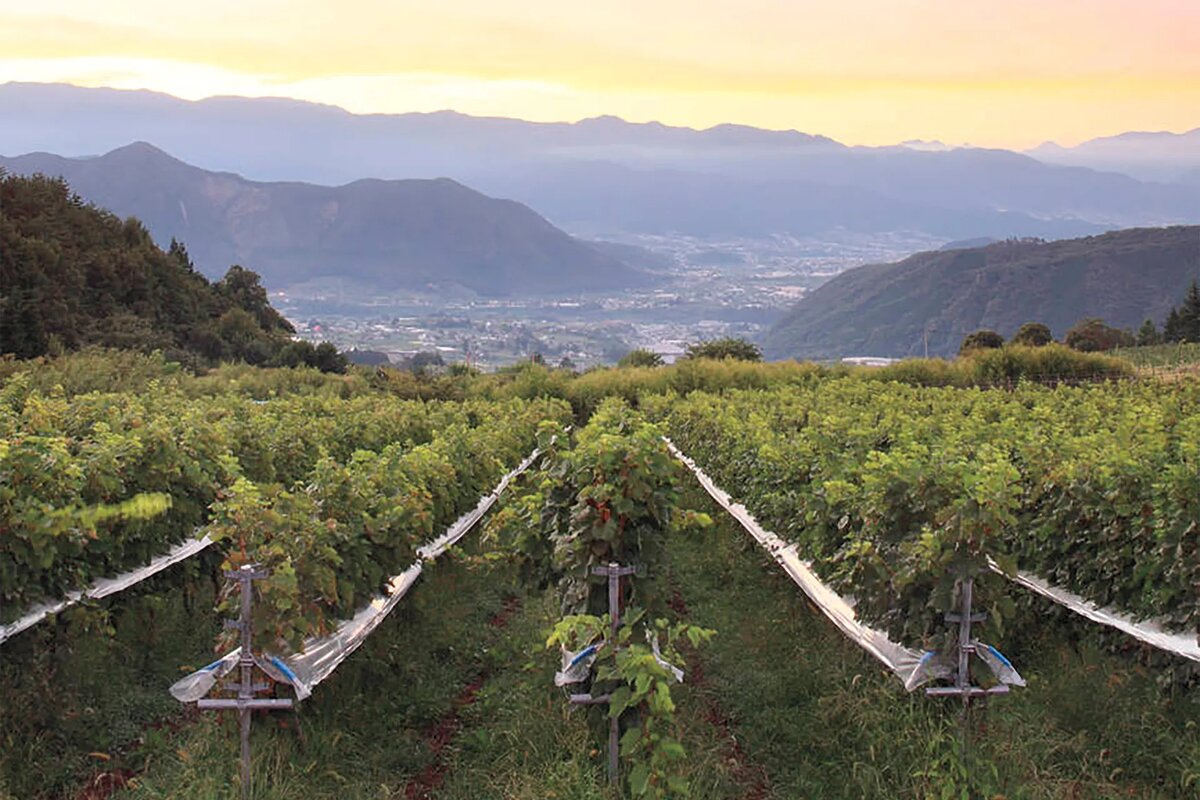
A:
246,701
614,572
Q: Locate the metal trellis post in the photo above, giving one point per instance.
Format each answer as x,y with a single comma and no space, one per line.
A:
966,647
614,572
246,701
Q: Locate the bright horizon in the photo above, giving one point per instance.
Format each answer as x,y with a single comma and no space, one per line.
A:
869,72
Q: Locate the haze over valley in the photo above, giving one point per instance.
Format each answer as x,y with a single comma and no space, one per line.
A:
493,239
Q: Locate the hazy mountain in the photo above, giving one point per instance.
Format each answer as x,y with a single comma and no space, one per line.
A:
282,139
1160,156
783,181
381,234
883,310
597,197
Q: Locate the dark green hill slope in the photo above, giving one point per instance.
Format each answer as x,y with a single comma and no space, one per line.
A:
384,235
73,275
884,309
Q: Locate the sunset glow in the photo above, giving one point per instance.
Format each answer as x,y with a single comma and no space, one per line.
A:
862,71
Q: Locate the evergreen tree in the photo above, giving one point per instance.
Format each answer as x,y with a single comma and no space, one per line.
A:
1148,334
1189,315
329,359
1172,328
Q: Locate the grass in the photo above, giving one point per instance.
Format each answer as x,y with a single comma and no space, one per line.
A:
779,705
79,690
521,739
823,720
363,734
1161,355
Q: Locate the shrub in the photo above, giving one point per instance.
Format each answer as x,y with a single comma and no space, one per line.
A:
1092,335
981,340
1033,334
728,347
641,358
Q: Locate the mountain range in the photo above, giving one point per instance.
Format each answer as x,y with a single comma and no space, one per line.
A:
381,235
1156,156
607,176
1123,277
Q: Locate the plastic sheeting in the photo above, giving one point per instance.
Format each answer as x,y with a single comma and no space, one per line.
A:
900,660
1152,632
106,586
320,657
576,666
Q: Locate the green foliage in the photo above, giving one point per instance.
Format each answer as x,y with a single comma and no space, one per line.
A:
933,298
1005,366
1174,355
1148,335
1183,323
1046,364
727,347
642,682
640,358
611,496
1092,335
332,540
634,384
1033,334
331,493
894,490
608,496
980,340
72,275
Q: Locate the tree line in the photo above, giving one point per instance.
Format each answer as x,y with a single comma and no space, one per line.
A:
1094,335
73,275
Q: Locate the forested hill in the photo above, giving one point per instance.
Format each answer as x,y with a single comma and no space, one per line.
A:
1123,277
382,235
73,275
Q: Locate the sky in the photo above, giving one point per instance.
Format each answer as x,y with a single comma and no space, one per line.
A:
1003,73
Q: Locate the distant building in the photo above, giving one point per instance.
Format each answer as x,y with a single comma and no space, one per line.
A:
869,361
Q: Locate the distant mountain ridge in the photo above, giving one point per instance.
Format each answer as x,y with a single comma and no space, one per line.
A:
1157,156
385,235
889,309
587,175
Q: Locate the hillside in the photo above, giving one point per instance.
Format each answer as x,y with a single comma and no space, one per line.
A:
883,309
584,173
382,235
73,275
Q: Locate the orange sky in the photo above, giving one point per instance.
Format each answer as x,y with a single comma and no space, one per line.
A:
1008,73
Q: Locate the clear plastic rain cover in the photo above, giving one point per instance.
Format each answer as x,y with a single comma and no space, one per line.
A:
105,586
902,661
321,656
